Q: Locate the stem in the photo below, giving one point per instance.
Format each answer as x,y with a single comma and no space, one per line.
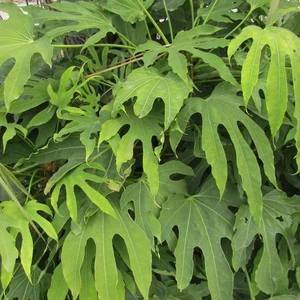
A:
169,20
192,13
20,171
147,28
95,45
210,11
154,23
127,40
239,25
249,285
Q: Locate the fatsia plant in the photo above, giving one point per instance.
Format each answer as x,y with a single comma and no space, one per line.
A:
150,150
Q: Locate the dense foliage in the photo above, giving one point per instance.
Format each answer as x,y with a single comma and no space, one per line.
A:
150,150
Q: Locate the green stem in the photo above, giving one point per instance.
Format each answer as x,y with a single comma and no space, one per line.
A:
95,45
127,40
249,284
210,11
154,23
239,25
23,170
169,20
192,13
147,28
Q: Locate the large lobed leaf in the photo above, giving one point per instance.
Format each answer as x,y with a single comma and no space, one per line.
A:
202,222
102,228
190,41
146,207
18,42
140,129
78,15
277,220
12,217
223,108
282,44
148,85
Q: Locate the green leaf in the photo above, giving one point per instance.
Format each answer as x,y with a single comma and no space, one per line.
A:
190,41
79,15
31,209
18,42
282,43
59,288
79,177
22,288
171,5
142,129
8,250
223,108
202,222
221,11
102,228
145,208
148,85
276,219
11,130
129,10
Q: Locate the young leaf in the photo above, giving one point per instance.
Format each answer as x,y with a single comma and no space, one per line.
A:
282,43
18,42
142,129
277,210
102,228
202,222
148,85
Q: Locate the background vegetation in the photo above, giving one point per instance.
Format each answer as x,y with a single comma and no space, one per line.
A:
150,150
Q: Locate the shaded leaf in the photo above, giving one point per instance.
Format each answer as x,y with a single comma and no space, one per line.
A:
202,222
276,219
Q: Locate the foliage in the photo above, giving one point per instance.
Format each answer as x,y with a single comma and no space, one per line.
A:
150,150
